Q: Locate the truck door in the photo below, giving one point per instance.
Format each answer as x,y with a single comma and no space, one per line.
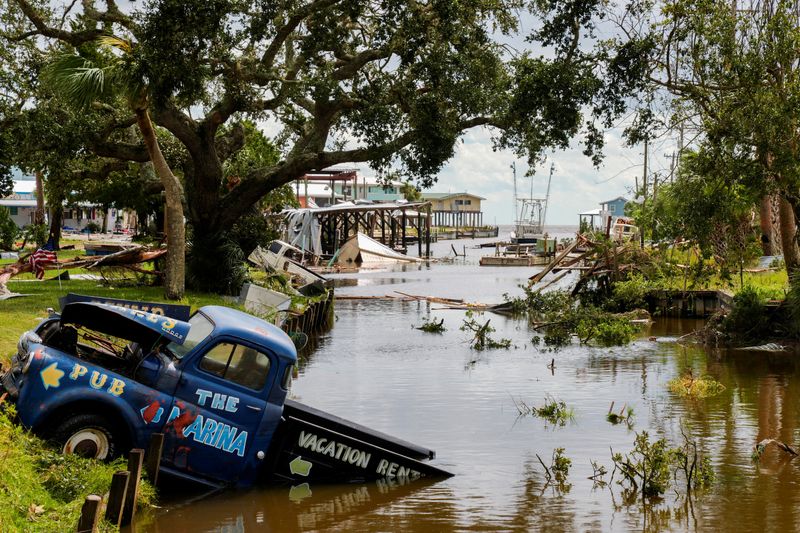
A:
219,404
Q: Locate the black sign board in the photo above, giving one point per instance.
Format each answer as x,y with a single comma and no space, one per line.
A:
178,312
303,451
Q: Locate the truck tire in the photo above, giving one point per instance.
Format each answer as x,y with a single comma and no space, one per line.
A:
89,435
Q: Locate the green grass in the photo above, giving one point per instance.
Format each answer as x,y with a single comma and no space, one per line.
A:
42,490
21,314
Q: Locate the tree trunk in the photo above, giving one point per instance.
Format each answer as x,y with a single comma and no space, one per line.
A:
56,216
791,254
768,233
38,217
175,271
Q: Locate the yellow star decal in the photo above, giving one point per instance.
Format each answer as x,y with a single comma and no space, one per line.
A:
51,376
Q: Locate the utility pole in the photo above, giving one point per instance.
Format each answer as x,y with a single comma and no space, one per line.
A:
644,192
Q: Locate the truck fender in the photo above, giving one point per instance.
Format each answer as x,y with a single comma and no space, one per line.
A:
83,400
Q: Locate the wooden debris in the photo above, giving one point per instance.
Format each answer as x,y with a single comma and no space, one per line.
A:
126,259
761,446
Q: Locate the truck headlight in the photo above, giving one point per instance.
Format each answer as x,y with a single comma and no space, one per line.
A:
23,346
27,364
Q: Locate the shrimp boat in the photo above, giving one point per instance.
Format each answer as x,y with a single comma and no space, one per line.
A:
531,214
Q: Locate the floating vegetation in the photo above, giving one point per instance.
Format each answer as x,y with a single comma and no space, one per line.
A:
481,339
432,326
690,387
558,469
625,415
554,411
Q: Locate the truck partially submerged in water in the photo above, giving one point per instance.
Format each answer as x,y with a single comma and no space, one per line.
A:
100,379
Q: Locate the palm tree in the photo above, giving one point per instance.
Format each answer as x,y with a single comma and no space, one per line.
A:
83,82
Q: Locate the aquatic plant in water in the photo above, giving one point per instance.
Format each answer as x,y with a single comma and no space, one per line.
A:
432,326
558,469
690,387
554,411
625,415
481,339
652,466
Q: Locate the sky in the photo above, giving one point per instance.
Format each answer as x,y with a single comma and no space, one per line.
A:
576,186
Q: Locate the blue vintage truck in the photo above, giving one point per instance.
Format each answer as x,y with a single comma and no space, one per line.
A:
100,379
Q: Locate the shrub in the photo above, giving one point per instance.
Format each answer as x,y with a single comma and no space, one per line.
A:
36,233
94,227
747,322
8,229
631,293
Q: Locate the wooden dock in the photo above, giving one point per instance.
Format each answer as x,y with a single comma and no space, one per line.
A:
514,260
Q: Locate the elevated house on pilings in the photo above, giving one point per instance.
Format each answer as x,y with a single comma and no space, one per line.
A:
396,225
455,210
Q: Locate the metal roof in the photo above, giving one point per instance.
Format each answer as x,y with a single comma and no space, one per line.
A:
360,207
615,199
445,195
17,203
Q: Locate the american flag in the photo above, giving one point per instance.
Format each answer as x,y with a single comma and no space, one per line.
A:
42,257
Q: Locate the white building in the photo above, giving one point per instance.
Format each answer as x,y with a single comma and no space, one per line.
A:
21,202
22,205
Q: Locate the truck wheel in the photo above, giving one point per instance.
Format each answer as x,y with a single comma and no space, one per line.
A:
88,435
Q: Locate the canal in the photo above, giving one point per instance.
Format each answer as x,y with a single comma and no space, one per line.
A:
433,390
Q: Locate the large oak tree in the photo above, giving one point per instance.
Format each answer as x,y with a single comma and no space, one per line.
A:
390,82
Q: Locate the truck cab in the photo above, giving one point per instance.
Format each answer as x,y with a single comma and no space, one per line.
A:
100,379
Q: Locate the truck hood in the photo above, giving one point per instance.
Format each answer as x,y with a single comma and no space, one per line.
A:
125,323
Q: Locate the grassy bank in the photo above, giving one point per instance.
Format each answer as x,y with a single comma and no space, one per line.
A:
22,314
42,490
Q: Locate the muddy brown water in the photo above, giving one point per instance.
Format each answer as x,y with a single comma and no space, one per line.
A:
373,368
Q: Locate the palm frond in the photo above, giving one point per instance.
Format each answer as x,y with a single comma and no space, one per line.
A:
116,42
77,79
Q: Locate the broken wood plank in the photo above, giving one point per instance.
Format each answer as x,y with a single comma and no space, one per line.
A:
533,280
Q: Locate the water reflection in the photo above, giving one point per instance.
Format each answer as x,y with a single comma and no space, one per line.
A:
300,508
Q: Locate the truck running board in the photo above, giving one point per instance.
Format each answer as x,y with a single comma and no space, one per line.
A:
312,445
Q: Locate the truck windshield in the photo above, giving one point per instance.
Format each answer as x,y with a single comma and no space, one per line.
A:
201,328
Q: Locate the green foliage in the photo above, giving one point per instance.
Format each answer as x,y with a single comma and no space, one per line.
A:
562,317
690,387
554,411
8,229
35,233
410,192
651,467
430,325
625,415
647,466
387,83
215,265
252,230
44,490
482,339
747,322
558,470
94,227
630,293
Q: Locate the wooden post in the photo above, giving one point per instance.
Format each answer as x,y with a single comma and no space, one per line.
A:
419,234
428,232
153,457
116,497
135,459
403,232
90,514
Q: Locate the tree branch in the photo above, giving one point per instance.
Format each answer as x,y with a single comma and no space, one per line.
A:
73,38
